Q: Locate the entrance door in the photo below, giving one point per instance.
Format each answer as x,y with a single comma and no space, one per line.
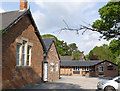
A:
45,71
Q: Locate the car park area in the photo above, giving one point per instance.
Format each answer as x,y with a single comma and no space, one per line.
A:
69,82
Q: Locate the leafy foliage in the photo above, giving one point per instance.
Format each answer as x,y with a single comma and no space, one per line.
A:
110,52
73,47
77,55
114,46
101,53
109,24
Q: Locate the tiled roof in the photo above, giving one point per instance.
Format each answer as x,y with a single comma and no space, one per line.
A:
79,63
9,17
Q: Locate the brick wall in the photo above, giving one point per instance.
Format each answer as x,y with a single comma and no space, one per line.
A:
12,76
69,71
93,71
53,57
66,70
107,73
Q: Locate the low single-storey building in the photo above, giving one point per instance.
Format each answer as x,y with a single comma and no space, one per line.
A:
89,68
51,67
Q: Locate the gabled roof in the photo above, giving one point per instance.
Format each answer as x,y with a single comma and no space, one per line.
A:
107,61
9,19
48,42
83,63
79,63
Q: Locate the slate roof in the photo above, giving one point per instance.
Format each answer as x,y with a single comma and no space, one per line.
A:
48,42
9,17
83,63
79,63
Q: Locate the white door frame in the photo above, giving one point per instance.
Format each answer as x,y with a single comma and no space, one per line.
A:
45,71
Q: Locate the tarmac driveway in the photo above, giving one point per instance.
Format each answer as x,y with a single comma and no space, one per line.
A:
69,82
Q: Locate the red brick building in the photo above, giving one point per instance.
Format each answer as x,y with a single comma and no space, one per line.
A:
51,69
89,68
22,49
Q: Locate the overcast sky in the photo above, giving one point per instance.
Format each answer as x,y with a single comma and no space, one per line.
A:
49,19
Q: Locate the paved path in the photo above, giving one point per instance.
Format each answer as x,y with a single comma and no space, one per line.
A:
69,82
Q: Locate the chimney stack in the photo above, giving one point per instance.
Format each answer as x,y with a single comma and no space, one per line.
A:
83,56
72,55
23,5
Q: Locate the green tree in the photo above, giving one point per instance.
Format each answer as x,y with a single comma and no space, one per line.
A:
114,46
73,47
109,24
77,55
101,53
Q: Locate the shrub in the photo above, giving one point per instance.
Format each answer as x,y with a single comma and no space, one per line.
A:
101,74
83,75
70,74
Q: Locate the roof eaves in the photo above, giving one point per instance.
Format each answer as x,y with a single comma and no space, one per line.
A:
107,61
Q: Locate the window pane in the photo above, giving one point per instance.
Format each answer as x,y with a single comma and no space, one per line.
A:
23,53
110,68
23,59
51,67
101,68
28,55
18,48
56,66
18,55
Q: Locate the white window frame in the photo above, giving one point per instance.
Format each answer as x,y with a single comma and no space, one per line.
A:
18,61
100,69
56,66
24,52
85,68
51,66
29,55
76,68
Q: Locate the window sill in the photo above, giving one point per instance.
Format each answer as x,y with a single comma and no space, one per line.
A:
23,67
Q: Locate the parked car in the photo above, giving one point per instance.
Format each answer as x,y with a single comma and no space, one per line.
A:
109,85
